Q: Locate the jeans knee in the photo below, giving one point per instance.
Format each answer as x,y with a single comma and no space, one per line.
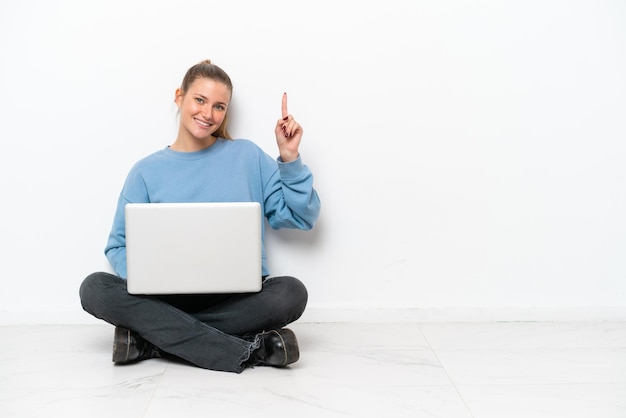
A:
88,285
293,296
93,287
298,292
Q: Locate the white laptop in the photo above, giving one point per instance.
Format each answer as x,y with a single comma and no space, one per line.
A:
191,248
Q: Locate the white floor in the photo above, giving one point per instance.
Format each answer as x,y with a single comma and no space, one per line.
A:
500,370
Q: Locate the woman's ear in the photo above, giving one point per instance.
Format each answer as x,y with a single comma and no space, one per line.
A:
178,97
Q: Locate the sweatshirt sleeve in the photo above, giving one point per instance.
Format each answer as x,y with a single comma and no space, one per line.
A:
134,191
290,198
115,249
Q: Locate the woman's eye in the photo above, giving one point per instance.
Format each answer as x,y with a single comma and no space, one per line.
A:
199,100
219,107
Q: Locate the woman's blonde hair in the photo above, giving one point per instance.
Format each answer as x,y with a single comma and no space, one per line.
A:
205,69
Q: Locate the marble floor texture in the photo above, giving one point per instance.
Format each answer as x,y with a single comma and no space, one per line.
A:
388,370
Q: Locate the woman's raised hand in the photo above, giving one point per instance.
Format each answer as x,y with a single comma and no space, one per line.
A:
288,134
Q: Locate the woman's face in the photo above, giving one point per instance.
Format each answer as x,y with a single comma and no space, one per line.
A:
202,108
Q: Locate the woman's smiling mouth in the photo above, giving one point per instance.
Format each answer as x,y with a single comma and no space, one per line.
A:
203,124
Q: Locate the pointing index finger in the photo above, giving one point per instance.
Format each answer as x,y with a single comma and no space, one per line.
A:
284,106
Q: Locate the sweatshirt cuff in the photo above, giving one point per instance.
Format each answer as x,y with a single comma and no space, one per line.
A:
292,169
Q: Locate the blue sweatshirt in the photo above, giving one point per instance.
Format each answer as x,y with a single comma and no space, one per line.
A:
227,171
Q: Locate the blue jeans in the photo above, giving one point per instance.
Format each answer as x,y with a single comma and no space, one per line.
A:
214,332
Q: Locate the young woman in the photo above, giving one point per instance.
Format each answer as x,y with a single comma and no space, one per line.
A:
218,332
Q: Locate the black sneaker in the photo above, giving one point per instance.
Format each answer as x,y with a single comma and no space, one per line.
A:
277,348
128,347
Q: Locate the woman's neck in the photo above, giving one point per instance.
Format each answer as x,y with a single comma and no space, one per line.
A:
192,145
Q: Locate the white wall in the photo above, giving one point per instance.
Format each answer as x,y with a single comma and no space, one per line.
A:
469,155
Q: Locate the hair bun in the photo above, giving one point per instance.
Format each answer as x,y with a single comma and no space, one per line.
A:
205,62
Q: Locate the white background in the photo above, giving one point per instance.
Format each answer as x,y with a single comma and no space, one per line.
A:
469,155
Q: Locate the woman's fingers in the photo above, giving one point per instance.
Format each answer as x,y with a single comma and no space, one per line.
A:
285,112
